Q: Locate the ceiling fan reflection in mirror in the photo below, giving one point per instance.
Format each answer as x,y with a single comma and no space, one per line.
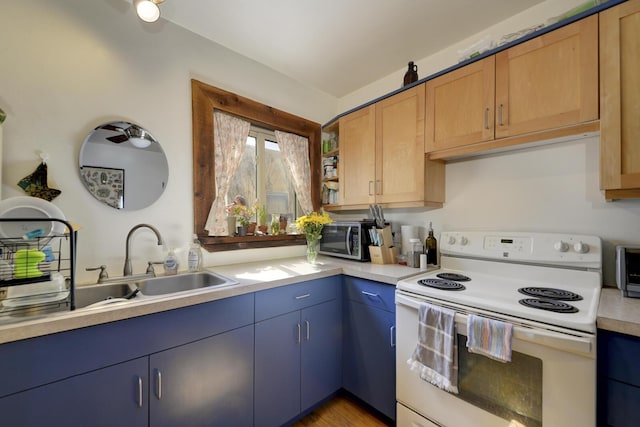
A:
137,136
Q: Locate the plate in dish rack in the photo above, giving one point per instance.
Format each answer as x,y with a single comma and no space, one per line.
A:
37,293
30,208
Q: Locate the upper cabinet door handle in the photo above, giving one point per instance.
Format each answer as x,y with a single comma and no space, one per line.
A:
486,118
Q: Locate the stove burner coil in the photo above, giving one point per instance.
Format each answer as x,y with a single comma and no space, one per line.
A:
550,294
549,305
453,276
445,285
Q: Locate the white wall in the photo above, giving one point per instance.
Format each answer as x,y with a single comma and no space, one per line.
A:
68,66
552,188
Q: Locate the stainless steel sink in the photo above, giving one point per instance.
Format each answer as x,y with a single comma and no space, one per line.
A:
182,282
96,295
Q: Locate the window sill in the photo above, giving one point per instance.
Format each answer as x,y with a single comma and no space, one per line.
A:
232,243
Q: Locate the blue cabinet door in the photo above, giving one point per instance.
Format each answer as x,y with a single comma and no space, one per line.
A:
369,356
113,396
321,351
277,369
205,383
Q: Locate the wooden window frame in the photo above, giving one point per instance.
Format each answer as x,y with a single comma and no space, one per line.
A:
205,99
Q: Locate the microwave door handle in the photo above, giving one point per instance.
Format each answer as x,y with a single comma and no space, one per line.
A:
348,240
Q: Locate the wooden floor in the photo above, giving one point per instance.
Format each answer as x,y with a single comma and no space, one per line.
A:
340,411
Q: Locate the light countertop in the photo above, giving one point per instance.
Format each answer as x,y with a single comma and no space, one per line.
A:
618,314
252,277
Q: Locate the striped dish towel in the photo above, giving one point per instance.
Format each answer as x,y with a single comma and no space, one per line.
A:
436,353
491,338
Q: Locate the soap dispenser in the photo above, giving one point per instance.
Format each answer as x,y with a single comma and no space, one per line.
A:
194,258
171,264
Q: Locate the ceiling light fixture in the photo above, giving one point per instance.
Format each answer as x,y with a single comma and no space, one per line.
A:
147,10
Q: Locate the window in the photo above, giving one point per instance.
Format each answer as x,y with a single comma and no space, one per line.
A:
262,177
205,99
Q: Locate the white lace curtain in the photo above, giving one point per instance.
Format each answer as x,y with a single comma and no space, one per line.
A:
295,151
230,137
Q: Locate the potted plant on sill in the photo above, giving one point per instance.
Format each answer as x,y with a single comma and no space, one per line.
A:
243,216
261,216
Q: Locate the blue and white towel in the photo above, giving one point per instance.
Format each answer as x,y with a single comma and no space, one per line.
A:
491,338
436,353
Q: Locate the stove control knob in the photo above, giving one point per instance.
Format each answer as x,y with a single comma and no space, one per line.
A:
463,240
581,248
561,246
452,240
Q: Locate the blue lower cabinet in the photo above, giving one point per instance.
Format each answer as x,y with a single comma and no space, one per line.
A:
369,344
618,379
113,396
187,367
206,383
297,353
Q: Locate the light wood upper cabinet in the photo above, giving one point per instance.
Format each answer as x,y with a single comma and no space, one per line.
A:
382,156
460,106
543,88
400,160
548,82
357,157
620,100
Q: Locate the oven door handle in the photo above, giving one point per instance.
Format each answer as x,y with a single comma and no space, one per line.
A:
573,343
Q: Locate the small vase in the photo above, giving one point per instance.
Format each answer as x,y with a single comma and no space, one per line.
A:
411,75
312,249
242,230
231,225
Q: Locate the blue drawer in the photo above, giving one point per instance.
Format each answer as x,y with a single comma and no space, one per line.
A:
285,299
374,294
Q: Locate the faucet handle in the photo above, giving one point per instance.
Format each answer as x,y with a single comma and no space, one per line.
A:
150,269
103,272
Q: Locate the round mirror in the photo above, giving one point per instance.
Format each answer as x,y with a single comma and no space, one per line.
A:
123,166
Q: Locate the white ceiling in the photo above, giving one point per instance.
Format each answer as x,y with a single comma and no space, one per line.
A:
338,46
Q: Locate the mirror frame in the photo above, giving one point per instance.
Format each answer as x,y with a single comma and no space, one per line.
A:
205,99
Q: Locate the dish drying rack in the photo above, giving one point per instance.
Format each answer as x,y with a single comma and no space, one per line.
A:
37,269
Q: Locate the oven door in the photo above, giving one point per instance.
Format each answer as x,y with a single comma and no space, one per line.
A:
551,380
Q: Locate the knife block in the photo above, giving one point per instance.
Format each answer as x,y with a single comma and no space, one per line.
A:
387,253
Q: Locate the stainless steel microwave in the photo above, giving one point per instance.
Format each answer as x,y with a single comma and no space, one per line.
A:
347,240
628,270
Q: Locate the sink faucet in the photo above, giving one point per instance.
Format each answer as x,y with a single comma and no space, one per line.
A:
127,258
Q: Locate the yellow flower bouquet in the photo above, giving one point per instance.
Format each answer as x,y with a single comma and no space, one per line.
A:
311,225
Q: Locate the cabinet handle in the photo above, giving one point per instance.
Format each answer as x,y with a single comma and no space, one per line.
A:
303,296
500,115
392,336
139,392
299,333
370,294
159,384
486,118
308,325
370,193
378,186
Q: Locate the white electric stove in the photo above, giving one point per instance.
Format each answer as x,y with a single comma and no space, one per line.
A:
548,286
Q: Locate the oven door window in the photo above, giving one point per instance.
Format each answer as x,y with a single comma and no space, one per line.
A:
512,391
